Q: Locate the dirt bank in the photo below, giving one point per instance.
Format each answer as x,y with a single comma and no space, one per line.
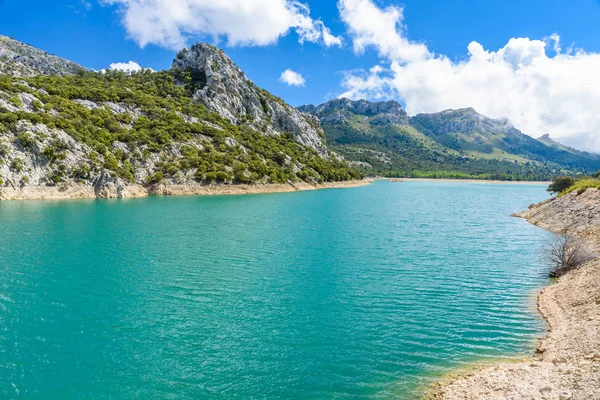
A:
89,192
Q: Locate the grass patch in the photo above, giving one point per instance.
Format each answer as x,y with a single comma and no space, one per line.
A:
582,185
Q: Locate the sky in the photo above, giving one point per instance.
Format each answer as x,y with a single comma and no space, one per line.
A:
531,61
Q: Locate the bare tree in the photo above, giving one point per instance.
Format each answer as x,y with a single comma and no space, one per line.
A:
567,253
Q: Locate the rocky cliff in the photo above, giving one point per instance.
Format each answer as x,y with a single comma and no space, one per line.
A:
224,88
20,59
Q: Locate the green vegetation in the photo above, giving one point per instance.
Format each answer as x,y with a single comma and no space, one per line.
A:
560,184
397,151
564,185
581,185
17,165
153,116
380,139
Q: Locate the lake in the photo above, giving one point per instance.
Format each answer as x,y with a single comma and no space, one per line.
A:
370,292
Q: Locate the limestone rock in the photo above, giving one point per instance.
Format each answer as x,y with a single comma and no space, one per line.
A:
225,89
20,59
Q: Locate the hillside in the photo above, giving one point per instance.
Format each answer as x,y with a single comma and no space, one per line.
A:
20,59
380,139
122,134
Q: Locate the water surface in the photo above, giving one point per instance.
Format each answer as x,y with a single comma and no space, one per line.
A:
356,293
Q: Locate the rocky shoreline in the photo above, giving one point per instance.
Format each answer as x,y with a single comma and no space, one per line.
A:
83,191
567,362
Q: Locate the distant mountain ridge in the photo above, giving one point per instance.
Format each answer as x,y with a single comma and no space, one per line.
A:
380,138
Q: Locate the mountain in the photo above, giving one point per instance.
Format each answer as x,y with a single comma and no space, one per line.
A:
467,130
223,87
548,141
20,59
200,123
380,139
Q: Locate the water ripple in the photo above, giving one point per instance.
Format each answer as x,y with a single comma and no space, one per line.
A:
362,293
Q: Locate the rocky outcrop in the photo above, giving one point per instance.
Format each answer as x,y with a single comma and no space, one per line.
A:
465,120
224,88
20,59
575,213
567,363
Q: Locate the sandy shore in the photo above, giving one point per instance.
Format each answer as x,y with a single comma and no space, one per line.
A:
88,192
467,181
567,362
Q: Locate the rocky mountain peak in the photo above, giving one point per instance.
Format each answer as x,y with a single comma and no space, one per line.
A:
339,110
22,60
223,87
464,120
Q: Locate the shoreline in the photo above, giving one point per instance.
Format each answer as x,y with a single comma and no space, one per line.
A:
74,191
566,362
493,182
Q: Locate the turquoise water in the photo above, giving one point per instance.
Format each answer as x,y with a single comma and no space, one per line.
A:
369,292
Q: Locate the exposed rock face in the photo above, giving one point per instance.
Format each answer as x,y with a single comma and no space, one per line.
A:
27,168
20,59
567,365
225,89
340,110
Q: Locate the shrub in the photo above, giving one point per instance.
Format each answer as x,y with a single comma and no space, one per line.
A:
3,150
560,184
54,153
154,179
111,163
26,140
37,105
54,178
567,254
81,172
222,176
17,165
210,177
16,101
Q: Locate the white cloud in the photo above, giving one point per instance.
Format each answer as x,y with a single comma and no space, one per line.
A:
172,23
538,92
292,78
130,66
86,4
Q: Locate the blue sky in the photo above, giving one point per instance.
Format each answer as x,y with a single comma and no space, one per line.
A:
95,38
93,34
